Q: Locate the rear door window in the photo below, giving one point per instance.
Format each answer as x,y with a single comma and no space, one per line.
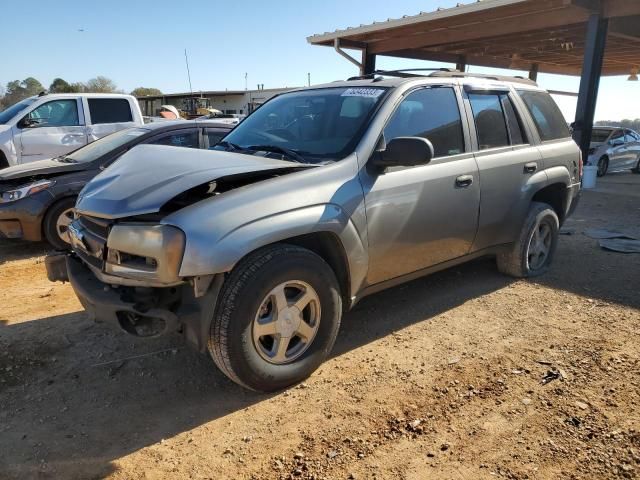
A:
546,115
109,110
182,138
430,113
214,137
491,125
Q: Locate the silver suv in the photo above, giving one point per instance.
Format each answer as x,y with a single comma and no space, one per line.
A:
322,196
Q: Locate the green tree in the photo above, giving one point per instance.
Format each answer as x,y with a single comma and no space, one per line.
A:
60,86
101,84
19,90
144,92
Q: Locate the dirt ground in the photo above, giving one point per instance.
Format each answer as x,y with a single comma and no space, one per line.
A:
440,378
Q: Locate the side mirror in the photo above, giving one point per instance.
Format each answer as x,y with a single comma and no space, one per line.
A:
27,122
405,152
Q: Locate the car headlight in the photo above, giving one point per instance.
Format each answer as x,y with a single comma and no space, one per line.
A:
25,191
145,252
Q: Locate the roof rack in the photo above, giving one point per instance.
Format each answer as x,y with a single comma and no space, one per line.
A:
404,73
441,72
488,76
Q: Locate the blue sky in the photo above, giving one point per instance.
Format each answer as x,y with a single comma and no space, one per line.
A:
141,43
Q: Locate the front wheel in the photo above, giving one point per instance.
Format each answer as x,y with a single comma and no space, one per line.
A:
532,254
637,167
56,223
277,318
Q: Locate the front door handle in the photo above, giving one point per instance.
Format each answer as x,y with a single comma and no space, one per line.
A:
464,181
530,167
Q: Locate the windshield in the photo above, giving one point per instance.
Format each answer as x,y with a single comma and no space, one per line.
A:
311,125
14,109
600,135
96,149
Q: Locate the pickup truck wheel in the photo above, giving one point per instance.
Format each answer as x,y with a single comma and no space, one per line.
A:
56,223
277,318
533,252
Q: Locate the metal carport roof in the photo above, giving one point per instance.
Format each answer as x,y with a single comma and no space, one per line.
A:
546,35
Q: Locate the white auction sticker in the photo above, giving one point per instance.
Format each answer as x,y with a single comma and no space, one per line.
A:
363,92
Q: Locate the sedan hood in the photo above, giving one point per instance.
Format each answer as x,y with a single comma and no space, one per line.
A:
40,169
148,176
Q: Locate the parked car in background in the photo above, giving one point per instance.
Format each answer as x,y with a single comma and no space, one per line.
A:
37,199
50,125
320,197
614,149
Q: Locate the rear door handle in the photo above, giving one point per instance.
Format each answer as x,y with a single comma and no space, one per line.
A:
530,167
464,181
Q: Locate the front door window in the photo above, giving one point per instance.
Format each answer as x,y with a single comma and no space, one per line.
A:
57,113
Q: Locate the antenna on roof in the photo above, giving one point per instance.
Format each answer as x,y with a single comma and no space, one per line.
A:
186,59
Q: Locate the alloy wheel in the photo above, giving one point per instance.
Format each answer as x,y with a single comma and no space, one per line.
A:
539,246
62,225
286,322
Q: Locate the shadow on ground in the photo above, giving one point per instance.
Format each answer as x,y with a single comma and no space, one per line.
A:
18,250
107,411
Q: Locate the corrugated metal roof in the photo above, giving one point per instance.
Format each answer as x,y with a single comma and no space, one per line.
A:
440,13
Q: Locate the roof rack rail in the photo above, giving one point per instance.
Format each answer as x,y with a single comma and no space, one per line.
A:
488,76
404,73
442,72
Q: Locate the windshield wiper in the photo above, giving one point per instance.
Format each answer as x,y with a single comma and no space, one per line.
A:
65,159
292,154
229,146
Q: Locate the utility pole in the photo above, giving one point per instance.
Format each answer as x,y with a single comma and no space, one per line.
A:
246,76
309,79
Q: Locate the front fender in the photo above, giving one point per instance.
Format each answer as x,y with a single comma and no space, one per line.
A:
203,258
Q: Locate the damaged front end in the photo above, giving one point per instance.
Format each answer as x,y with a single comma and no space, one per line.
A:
125,263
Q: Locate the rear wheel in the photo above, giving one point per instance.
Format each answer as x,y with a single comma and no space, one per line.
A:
603,166
277,318
533,252
56,223
3,161
637,167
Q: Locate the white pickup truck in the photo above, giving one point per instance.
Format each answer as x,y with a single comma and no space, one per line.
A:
50,125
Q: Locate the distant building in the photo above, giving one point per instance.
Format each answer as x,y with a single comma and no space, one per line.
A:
227,101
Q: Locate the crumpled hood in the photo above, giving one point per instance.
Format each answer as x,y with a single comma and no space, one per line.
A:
41,168
148,176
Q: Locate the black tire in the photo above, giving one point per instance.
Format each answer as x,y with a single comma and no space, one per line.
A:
49,224
231,341
516,261
603,166
3,161
637,167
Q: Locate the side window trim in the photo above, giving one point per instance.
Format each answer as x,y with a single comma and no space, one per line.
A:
466,136
523,131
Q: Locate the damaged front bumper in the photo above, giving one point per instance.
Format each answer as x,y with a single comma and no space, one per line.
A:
140,311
